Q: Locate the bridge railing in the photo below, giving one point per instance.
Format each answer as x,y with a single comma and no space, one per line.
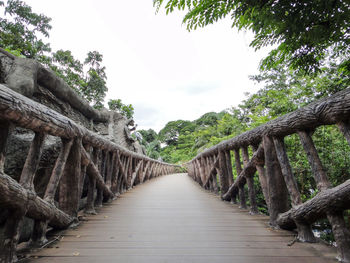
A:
278,184
110,170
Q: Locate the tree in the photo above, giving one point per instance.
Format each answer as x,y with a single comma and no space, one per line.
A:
20,32
95,88
302,30
209,119
68,68
170,133
149,135
123,109
19,28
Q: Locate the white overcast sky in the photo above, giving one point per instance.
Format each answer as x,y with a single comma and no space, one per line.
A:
152,61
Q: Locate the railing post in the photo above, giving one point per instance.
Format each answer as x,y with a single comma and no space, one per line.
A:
262,178
224,183
115,173
5,129
39,231
340,231
10,236
241,193
69,184
101,164
83,178
90,204
277,190
207,169
109,169
305,233
250,182
230,174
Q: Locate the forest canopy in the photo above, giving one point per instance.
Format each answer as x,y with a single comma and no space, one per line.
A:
303,33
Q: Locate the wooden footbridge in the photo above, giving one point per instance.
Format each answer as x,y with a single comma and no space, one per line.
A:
171,218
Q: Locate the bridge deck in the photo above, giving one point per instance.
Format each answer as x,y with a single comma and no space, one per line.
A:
172,219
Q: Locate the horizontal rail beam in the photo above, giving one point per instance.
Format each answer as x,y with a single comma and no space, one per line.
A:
29,114
326,111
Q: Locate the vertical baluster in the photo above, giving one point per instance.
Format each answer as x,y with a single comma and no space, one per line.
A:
250,182
207,174
305,233
10,236
230,174
57,171
13,224
130,171
115,173
5,129
142,171
241,193
144,175
215,179
195,171
224,183
90,204
201,170
276,186
262,178
126,175
110,166
32,161
102,158
69,197
39,231
83,171
121,174
157,170
340,231
149,174
214,176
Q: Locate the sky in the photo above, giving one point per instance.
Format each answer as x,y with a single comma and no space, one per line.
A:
152,61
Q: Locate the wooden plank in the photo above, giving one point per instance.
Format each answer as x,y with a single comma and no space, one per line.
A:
171,219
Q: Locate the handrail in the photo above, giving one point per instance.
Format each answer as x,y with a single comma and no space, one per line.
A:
108,168
270,161
322,112
40,118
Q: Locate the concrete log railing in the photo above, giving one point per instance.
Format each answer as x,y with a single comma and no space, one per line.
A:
270,161
109,170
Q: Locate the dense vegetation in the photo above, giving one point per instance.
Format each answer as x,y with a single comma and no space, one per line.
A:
24,34
303,32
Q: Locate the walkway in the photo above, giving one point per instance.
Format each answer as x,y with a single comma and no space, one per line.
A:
171,219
